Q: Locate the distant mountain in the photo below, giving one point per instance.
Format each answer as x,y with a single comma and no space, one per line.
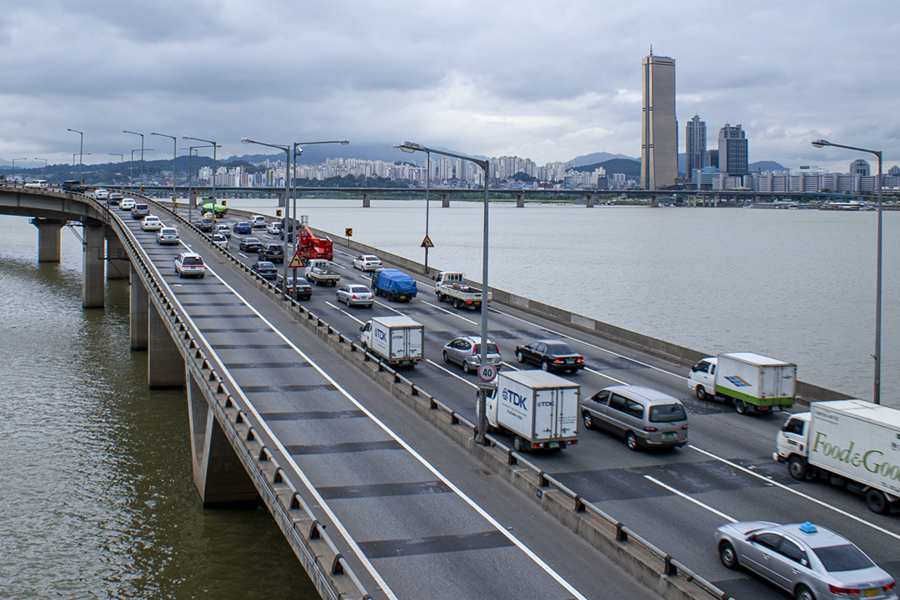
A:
766,165
598,157
630,167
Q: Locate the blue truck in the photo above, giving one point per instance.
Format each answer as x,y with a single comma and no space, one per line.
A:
394,285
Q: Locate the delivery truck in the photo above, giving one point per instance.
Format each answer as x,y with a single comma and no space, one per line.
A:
451,286
394,284
752,382
847,442
320,271
396,340
538,409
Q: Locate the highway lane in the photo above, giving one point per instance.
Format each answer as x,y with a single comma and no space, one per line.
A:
601,468
427,519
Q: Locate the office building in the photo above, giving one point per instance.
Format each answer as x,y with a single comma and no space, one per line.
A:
694,145
860,167
659,127
733,150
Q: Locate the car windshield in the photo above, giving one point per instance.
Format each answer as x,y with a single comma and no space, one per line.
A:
845,557
491,349
666,413
560,348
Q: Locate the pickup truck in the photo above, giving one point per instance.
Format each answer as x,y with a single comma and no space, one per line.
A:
451,286
319,272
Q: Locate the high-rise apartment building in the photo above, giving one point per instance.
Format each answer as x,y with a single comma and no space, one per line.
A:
694,144
733,151
659,127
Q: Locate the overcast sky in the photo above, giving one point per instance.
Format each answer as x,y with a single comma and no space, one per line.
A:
543,80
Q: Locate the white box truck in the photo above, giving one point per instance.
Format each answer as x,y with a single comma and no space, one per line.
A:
539,409
849,442
754,383
396,340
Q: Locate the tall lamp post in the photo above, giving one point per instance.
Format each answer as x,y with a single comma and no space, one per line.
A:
14,166
80,153
76,154
42,168
290,152
214,146
142,154
485,165
191,150
174,161
122,158
131,166
877,385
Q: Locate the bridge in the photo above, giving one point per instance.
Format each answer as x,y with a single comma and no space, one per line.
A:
373,501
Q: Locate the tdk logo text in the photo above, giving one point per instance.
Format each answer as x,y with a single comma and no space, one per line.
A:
380,335
515,399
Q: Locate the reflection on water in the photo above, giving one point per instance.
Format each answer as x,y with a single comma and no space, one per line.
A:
96,492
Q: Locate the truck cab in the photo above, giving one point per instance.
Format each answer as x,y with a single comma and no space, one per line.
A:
703,378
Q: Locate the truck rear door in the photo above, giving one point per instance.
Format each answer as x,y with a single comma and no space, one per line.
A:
555,413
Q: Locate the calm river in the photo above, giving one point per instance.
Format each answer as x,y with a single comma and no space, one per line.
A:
96,495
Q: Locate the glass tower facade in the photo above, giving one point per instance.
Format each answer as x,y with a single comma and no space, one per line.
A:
659,127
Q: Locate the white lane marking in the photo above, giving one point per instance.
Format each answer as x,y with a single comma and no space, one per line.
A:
689,499
338,308
449,372
610,377
484,514
590,345
449,312
795,492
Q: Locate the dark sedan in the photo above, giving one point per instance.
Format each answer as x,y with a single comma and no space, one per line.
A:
298,288
265,269
251,244
551,355
272,253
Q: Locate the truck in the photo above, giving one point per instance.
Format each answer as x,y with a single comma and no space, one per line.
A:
539,410
396,340
321,272
846,442
451,286
394,284
752,382
207,222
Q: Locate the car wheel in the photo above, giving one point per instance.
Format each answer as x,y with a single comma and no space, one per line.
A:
518,444
727,555
446,357
797,467
545,366
587,420
466,367
740,407
631,441
701,393
520,357
803,593
180,275
877,502
457,303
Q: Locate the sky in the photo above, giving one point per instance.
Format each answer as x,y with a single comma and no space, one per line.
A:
541,80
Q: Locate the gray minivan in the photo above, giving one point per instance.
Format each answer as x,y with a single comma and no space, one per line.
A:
643,416
140,210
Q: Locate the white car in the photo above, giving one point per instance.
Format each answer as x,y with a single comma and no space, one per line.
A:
126,203
101,194
190,264
223,229
36,183
354,294
151,223
166,235
220,240
273,228
115,197
367,262
258,221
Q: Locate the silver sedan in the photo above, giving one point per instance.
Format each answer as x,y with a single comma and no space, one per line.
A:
355,295
809,562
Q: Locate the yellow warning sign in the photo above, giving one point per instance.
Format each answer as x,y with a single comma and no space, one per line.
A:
426,243
296,262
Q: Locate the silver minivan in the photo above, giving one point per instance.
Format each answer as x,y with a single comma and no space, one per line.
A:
643,416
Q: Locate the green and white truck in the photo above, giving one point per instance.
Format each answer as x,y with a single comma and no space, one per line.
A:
752,382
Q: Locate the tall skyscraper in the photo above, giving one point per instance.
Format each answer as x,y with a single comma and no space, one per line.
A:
659,128
694,144
733,150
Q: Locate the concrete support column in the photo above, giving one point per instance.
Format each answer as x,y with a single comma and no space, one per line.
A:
165,366
589,200
117,264
445,200
139,305
219,475
282,199
520,200
93,285
48,239
367,200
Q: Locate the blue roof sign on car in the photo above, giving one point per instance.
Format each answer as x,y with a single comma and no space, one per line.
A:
808,527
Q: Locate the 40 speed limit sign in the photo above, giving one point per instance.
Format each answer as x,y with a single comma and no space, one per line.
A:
487,372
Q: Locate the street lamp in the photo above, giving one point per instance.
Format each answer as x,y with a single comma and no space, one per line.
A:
131,165
877,356
14,166
42,168
174,161
122,157
142,154
411,147
289,151
191,150
76,154
80,153
214,146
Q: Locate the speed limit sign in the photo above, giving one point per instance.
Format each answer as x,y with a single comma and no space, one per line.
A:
487,372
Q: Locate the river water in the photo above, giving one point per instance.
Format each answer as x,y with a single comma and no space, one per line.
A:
96,495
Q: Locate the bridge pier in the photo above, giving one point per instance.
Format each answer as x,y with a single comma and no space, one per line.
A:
219,475
139,310
48,238
165,366
93,287
367,203
520,200
116,261
282,199
445,200
589,200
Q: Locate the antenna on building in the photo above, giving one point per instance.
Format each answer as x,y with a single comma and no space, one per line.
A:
651,49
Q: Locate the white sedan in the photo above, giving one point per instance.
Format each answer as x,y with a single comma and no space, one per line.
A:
367,262
166,235
151,223
126,203
273,228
